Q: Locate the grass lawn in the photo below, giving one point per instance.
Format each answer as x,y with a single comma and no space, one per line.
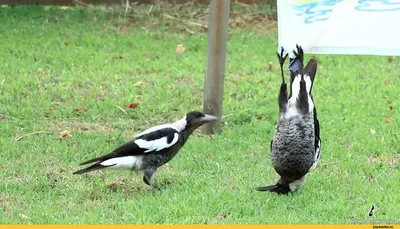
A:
77,70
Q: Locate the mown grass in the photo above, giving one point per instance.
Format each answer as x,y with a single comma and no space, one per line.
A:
70,69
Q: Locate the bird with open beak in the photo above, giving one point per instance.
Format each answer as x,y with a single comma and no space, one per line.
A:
152,148
296,143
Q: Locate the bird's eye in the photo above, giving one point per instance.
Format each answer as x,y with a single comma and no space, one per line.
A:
199,115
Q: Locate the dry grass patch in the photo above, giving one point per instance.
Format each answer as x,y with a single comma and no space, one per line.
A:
390,160
77,125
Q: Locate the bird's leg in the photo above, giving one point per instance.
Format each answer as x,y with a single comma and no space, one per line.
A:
148,173
302,101
282,59
283,96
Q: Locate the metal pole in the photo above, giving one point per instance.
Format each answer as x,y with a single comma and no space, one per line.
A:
215,69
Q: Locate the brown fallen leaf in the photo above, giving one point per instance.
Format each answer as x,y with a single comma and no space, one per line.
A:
208,155
50,174
270,66
53,184
132,105
65,134
121,57
111,140
3,117
82,109
261,82
180,49
370,177
62,170
137,84
145,53
117,185
390,108
388,119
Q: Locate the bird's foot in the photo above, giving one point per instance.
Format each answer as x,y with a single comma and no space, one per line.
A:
281,56
299,53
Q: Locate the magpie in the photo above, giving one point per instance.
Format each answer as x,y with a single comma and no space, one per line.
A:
152,148
296,144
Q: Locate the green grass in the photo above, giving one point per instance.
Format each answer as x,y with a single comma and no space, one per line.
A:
54,61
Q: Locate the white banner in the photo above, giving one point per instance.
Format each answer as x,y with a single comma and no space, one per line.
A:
368,27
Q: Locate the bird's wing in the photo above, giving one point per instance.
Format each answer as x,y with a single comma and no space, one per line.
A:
157,140
317,135
310,70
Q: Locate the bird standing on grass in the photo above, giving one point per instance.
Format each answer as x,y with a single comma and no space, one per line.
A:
151,148
296,144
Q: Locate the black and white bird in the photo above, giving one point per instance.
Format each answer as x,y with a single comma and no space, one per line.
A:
296,144
151,148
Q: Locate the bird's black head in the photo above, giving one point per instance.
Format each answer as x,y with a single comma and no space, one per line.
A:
195,119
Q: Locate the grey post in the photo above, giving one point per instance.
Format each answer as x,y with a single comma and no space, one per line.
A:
215,69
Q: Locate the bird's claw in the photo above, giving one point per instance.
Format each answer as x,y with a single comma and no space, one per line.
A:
281,57
299,53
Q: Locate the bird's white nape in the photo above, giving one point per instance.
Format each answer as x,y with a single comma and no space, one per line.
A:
127,162
180,124
157,144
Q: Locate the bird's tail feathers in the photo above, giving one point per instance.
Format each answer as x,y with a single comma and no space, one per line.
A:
96,166
97,159
277,188
266,188
91,168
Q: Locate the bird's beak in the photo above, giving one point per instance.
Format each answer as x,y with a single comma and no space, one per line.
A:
208,118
